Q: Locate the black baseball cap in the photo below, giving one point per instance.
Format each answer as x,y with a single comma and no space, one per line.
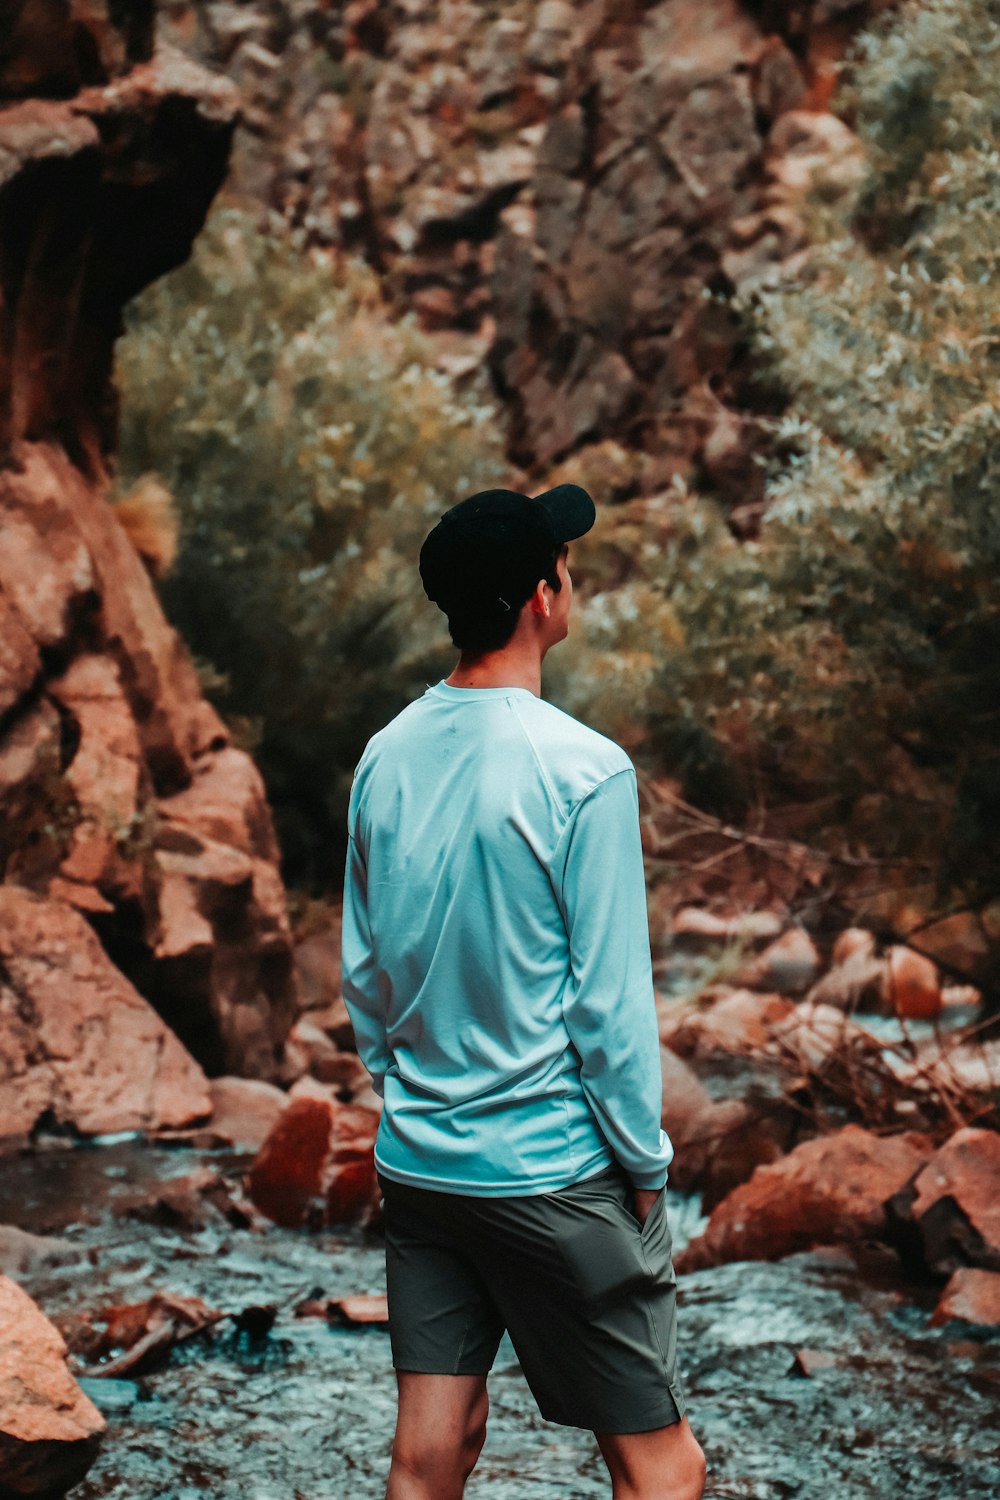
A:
488,552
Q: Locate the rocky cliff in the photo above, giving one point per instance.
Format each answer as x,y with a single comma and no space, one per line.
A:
562,185
121,796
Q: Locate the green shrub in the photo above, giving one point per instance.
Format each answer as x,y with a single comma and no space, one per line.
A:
851,652
310,444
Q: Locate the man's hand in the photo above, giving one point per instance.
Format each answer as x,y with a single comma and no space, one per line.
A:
644,1200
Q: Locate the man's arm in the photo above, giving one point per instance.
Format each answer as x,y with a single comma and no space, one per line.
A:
364,1004
609,1007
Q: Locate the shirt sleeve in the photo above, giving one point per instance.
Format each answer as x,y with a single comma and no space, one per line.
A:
361,995
609,1007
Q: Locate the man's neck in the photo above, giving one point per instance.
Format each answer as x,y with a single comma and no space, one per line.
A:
498,669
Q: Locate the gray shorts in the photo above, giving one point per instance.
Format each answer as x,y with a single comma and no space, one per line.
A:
586,1292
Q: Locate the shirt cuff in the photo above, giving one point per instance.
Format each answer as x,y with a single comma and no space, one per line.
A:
648,1186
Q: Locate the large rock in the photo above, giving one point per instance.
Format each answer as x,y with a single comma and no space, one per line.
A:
317,1166
827,1191
49,1430
79,1047
948,1216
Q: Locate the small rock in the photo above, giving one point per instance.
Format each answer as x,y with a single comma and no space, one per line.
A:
858,983
788,965
813,1033
751,926
112,1396
21,1252
851,941
913,984
191,1202
810,1361
361,1308
336,1022
972,1295
740,1023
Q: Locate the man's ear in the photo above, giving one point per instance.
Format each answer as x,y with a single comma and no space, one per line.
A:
538,602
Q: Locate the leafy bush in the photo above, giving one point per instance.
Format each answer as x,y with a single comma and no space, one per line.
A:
310,445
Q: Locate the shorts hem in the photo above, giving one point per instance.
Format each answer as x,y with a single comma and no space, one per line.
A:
422,1370
667,1417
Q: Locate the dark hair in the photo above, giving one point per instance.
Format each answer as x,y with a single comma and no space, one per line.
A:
489,627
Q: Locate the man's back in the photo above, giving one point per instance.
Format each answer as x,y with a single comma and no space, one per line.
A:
496,952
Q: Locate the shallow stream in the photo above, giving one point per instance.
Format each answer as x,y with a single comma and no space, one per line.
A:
901,1410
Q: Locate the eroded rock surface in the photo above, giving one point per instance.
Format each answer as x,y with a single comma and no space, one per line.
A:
79,1046
120,792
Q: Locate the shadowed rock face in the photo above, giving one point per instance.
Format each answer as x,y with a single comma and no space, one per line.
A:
120,793
558,184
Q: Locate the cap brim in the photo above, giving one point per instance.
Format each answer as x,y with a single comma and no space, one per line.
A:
572,510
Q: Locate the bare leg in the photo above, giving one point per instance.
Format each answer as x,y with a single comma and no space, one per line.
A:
664,1464
440,1431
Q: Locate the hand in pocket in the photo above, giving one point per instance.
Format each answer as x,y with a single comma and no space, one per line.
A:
643,1200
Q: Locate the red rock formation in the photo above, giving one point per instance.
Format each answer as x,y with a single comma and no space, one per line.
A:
49,1430
832,1190
120,792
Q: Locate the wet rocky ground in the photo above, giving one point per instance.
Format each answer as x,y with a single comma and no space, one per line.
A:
892,1406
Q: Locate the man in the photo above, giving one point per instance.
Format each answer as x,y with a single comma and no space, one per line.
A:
497,972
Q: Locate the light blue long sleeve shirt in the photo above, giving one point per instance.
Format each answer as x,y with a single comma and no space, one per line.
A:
496,961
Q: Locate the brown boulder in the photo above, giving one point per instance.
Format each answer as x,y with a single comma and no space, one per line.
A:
827,1191
696,922
77,1043
317,1166
49,1430
948,1216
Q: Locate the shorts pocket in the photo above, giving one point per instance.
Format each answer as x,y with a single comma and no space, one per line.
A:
604,1257
656,1241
